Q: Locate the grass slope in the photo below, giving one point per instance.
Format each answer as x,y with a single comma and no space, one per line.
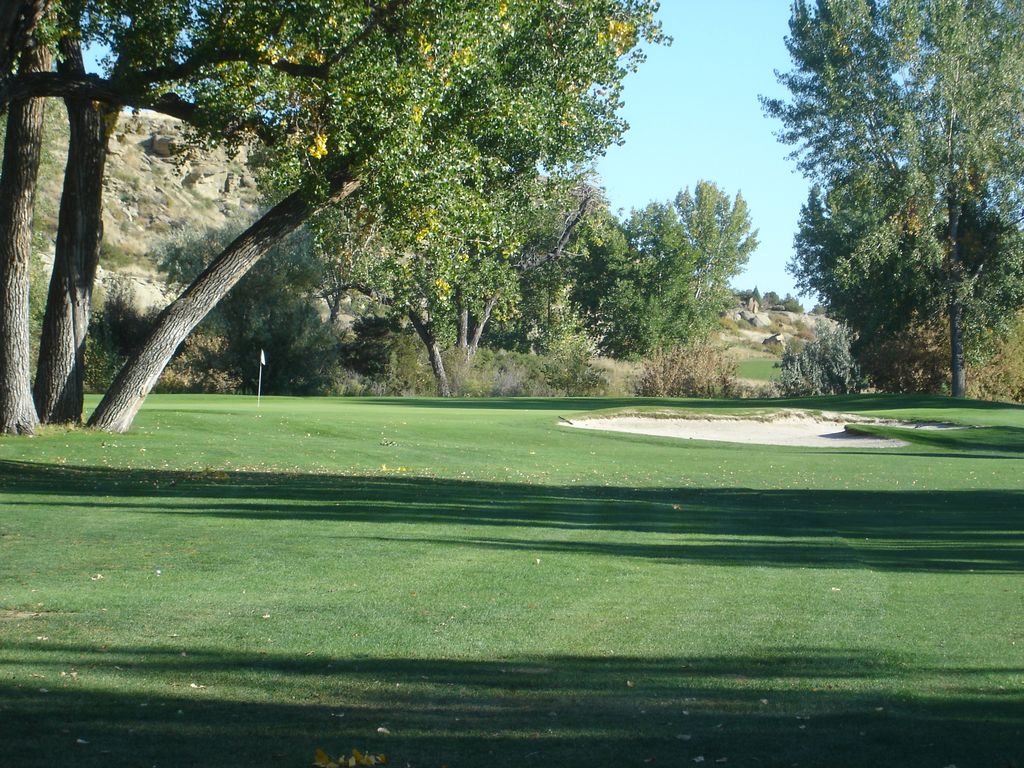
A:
760,369
496,590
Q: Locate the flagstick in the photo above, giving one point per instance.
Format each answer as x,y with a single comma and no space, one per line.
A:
259,385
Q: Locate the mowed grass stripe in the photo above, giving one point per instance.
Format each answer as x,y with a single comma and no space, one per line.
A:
298,576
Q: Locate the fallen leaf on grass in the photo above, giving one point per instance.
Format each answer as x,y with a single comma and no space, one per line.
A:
323,760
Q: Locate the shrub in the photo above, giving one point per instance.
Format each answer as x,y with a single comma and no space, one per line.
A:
569,368
803,331
503,373
792,304
197,367
621,376
914,360
116,328
825,366
1002,377
694,371
728,323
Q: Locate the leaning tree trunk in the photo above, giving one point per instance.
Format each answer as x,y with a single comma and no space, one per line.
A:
60,373
138,376
17,200
426,334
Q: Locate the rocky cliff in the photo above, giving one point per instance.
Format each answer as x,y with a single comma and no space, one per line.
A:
156,189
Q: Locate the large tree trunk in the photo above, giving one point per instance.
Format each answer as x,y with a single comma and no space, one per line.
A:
955,306
60,374
958,363
17,201
138,376
426,334
463,322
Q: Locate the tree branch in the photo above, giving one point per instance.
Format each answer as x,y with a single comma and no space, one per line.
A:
204,58
528,260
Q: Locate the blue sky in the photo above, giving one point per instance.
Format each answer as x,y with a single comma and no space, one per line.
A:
694,114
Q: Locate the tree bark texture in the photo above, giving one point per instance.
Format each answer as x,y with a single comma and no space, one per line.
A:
463,323
60,373
17,201
426,334
126,395
18,19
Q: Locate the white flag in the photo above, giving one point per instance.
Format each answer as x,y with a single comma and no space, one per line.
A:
263,358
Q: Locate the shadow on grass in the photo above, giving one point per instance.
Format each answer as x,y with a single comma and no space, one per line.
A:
141,706
909,530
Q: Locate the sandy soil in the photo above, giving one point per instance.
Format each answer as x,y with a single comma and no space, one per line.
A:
826,430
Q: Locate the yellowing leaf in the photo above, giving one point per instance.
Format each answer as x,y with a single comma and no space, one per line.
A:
318,148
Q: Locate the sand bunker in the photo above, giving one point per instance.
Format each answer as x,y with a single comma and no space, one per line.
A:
800,428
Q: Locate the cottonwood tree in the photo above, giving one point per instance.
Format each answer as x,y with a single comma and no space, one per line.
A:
168,46
18,22
59,389
916,108
447,267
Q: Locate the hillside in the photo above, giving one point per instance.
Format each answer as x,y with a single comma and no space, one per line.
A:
756,339
153,192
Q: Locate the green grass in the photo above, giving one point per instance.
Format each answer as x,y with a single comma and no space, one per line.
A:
498,590
758,368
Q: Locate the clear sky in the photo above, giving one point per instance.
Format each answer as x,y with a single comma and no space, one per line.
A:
694,114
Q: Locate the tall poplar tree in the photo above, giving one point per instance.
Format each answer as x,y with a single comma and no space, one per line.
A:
914,110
